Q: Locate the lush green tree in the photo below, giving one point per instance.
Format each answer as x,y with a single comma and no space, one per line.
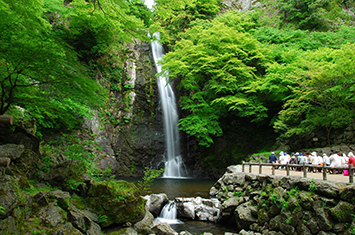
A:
96,28
312,14
39,72
304,40
49,49
324,94
173,17
216,66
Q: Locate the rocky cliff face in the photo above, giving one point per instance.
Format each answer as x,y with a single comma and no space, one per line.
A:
131,132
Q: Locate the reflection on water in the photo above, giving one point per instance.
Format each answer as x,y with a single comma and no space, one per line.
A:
199,227
180,187
187,187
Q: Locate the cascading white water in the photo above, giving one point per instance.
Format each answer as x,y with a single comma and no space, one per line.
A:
173,161
168,214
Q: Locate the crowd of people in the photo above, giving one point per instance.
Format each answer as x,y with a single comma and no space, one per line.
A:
313,159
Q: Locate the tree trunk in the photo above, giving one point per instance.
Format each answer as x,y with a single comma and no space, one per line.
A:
6,119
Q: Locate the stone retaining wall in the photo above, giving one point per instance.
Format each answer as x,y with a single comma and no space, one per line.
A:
285,205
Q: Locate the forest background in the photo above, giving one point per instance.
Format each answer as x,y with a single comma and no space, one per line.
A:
280,72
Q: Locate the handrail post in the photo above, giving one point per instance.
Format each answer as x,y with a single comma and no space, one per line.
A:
273,168
243,166
260,166
288,169
351,174
249,166
304,170
324,172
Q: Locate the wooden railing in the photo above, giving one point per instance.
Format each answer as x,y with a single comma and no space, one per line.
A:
304,167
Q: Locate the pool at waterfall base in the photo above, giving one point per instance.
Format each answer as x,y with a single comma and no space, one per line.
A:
187,187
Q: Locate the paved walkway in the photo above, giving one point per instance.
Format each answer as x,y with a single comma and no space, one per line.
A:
268,170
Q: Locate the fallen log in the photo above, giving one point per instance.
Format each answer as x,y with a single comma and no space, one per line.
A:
6,119
5,161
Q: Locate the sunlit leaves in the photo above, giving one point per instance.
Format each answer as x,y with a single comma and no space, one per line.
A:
324,96
172,18
216,65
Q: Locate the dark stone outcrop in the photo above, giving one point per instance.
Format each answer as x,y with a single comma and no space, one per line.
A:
285,205
8,195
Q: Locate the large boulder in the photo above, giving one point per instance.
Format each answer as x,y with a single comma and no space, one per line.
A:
8,195
198,208
163,229
67,229
341,212
19,136
246,214
50,216
119,200
156,202
28,163
146,224
12,151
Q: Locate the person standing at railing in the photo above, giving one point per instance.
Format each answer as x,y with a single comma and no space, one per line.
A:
351,159
335,161
301,159
320,162
343,159
326,160
283,159
272,158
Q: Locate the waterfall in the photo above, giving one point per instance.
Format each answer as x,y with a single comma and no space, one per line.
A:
173,159
168,214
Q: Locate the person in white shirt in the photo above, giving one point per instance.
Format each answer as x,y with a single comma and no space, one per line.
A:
326,160
283,159
335,160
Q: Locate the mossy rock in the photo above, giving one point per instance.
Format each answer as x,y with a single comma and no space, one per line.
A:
120,201
343,212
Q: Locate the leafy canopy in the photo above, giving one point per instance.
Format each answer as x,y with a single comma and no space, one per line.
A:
216,65
172,18
324,96
47,50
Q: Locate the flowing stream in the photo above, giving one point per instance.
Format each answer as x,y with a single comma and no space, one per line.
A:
173,159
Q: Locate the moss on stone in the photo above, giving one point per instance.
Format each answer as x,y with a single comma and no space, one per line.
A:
120,201
342,212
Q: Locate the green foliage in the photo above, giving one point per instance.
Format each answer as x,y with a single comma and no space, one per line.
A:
102,219
304,40
173,17
126,119
41,73
323,96
128,86
141,11
147,180
312,187
79,155
49,52
311,14
216,66
2,210
238,193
